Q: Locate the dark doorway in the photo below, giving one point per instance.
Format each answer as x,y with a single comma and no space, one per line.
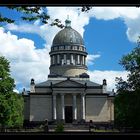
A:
68,114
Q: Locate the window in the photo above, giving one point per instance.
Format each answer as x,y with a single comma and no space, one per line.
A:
74,47
61,47
84,49
68,62
62,59
80,48
67,47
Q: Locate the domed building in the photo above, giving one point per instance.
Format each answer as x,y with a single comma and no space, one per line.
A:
68,95
68,53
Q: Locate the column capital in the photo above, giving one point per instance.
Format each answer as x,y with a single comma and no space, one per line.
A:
83,94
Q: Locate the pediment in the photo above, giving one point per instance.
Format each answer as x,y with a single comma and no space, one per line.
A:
68,83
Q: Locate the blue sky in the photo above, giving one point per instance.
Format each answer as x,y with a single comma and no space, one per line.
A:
109,39
108,32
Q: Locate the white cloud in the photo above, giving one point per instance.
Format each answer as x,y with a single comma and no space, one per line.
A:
44,31
130,16
78,22
17,91
133,30
109,13
26,61
91,58
98,76
78,19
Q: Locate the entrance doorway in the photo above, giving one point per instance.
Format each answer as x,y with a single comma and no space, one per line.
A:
68,114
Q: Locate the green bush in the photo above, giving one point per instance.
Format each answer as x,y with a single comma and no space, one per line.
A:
59,127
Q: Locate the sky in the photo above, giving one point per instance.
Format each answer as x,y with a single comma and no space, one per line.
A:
108,33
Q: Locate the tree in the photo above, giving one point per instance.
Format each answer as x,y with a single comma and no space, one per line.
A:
6,82
127,101
131,63
11,103
34,13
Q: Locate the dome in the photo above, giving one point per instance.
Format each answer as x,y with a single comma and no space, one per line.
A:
68,36
68,54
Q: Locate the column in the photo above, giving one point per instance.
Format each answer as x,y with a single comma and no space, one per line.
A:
58,59
74,108
71,58
54,107
63,107
83,60
83,106
78,59
110,106
65,58
53,61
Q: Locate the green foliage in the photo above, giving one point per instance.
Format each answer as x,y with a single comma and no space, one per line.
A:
5,19
6,82
127,112
34,13
127,101
131,63
60,127
11,104
86,8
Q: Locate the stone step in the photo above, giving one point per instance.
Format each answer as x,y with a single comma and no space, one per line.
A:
71,126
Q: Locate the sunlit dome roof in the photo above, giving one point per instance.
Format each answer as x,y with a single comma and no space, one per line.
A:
68,36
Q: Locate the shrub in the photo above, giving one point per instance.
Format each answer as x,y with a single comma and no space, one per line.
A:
59,127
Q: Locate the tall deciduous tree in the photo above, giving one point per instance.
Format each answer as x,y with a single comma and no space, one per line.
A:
11,103
127,101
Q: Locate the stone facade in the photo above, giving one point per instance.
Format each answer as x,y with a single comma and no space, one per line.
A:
26,107
40,107
99,106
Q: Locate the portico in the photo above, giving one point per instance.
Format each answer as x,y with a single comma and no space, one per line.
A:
67,106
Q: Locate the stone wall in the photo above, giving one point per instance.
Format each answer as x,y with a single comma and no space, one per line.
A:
98,109
40,107
43,90
26,107
67,71
111,105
